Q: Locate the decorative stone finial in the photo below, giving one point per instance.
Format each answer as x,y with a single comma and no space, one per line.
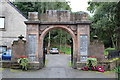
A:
20,37
95,37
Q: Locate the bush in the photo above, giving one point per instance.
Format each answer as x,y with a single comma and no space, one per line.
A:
107,49
23,62
117,69
91,62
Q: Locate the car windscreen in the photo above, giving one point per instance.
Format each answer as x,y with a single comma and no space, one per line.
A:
54,48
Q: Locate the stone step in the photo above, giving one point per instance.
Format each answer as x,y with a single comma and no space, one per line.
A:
15,65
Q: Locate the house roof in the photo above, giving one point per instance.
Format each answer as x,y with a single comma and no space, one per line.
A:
16,8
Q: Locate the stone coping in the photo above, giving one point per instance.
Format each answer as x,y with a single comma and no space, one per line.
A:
81,62
12,61
56,23
5,61
33,62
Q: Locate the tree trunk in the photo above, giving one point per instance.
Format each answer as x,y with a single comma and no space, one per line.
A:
49,41
113,44
65,41
118,43
60,38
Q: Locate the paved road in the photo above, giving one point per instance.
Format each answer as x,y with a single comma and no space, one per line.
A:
57,67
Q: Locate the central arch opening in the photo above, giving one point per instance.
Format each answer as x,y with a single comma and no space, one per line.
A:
58,39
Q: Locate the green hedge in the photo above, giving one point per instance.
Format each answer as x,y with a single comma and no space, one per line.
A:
107,49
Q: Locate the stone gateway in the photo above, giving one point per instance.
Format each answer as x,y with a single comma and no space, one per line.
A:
77,25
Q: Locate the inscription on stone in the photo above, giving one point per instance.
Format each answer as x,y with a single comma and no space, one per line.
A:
83,45
32,43
32,46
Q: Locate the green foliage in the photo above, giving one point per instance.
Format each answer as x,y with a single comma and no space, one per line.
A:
91,62
105,20
23,62
107,49
67,50
115,59
41,7
117,69
93,6
59,39
56,35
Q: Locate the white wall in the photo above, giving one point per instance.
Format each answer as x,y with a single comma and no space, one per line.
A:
14,24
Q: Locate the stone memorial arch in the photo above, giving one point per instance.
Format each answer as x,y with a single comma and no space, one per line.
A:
77,25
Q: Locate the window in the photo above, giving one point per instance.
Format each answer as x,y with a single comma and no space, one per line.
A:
2,22
3,48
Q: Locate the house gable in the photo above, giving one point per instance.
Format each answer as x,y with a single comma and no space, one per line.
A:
16,9
14,23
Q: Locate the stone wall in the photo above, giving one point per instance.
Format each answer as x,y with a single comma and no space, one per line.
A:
96,49
62,16
82,16
109,65
18,49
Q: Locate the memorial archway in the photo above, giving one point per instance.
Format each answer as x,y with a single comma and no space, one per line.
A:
37,29
57,27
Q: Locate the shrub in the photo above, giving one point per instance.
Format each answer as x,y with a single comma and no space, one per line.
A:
23,62
107,49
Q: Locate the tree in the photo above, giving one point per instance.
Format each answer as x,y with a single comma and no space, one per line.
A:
104,22
118,22
41,7
58,37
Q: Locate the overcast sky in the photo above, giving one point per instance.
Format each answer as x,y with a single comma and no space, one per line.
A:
78,5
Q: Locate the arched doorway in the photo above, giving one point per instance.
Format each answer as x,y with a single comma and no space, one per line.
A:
57,27
58,49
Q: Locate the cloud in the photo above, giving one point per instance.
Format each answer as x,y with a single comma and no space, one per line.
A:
78,5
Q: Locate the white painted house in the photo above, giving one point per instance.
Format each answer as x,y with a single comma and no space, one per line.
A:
11,23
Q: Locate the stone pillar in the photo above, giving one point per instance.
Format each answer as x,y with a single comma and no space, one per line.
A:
34,44
33,16
18,48
33,39
83,37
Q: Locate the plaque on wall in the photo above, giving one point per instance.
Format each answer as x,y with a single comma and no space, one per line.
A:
83,45
32,41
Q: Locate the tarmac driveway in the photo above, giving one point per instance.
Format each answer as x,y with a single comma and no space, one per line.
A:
57,67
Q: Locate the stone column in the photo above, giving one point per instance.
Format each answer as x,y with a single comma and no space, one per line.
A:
33,37
83,37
